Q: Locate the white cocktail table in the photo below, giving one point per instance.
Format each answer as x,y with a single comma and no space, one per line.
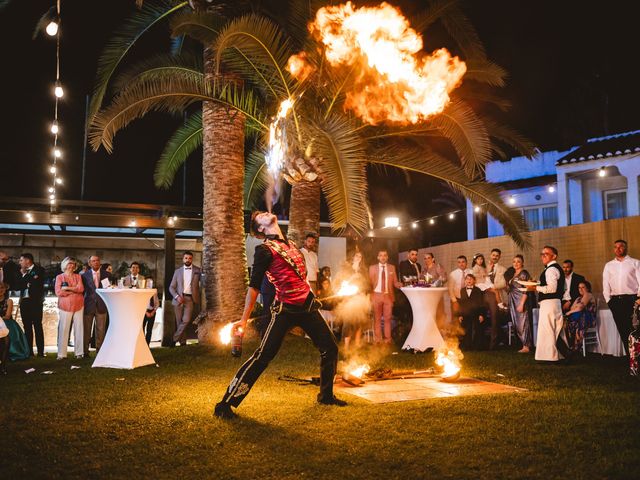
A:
424,333
124,345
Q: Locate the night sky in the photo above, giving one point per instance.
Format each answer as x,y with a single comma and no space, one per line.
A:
570,66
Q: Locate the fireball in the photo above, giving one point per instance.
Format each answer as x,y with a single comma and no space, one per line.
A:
347,289
449,360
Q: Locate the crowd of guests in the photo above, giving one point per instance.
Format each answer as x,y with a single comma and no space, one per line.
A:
485,297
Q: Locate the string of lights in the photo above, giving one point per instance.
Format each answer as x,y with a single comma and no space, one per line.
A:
53,30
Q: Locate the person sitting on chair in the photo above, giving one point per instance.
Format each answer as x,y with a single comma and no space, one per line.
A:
581,316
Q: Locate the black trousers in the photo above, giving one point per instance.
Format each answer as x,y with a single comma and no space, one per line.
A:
147,327
492,306
473,337
4,353
622,309
314,326
31,314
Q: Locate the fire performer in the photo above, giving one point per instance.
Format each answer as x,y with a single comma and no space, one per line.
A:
295,305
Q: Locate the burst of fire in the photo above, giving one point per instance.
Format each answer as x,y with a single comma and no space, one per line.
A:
226,333
276,154
298,66
393,81
449,360
359,370
347,289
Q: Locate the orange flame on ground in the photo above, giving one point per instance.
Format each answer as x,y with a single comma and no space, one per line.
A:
449,360
393,81
358,371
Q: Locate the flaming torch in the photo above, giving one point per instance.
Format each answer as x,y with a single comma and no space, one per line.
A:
449,360
227,335
276,154
353,374
347,289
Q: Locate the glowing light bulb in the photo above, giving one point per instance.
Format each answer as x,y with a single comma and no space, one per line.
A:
55,128
59,181
52,196
51,190
57,153
551,189
52,201
452,216
52,28
476,209
414,225
52,169
399,228
602,172
512,200
431,221
58,91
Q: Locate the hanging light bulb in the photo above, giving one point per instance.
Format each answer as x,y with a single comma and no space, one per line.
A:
52,169
476,209
55,128
431,221
551,189
59,181
512,200
602,172
414,225
52,196
52,201
399,227
52,28
58,91
57,153
51,190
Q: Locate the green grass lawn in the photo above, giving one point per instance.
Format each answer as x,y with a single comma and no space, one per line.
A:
580,421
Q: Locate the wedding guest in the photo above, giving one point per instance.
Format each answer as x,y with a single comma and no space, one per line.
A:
410,267
134,279
31,285
185,289
384,279
311,260
571,282
354,311
471,313
434,269
94,307
69,289
496,273
456,281
621,289
18,346
551,343
492,297
4,347
520,305
9,271
325,272
150,317
581,316
326,295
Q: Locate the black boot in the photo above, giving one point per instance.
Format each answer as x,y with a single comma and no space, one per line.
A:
223,410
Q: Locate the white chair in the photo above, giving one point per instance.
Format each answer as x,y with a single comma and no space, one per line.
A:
591,335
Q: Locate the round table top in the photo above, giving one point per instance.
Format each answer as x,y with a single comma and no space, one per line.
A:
120,290
424,289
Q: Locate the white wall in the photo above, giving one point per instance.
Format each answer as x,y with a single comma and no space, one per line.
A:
518,168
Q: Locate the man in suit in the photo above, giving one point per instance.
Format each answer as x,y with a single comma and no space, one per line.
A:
471,312
456,282
410,267
30,282
134,279
571,282
185,290
384,279
9,271
94,307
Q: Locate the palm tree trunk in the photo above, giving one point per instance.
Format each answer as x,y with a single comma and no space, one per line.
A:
223,235
304,210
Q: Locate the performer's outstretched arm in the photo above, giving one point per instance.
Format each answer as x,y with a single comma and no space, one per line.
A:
249,302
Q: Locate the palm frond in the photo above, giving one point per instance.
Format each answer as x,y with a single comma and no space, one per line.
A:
458,25
256,46
184,141
461,126
472,95
300,13
478,192
123,40
485,71
430,15
342,156
172,95
201,26
256,178
164,64
177,43
511,137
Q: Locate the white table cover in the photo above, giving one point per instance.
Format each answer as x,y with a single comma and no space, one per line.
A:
424,304
124,345
607,331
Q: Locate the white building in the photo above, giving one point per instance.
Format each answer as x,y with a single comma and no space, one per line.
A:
587,183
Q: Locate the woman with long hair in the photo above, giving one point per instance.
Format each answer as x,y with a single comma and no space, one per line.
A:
354,311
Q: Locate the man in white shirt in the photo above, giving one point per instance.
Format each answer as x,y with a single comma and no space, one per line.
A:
456,281
185,290
551,344
621,288
311,261
134,279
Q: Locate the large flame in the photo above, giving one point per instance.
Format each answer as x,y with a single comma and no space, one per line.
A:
449,360
393,81
276,154
347,289
226,333
358,371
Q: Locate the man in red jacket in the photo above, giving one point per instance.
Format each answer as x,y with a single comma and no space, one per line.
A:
295,305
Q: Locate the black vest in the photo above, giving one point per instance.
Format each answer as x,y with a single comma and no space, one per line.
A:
543,282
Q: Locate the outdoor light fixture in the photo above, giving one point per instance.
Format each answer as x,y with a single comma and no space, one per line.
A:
59,181
52,196
399,228
414,225
512,200
431,221
29,217
132,223
551,189
452,216
391,222
52,28
51,190
476,209
171,221
52,201
370,234
55,128
602,172
58,91
57,153
175,218
52,169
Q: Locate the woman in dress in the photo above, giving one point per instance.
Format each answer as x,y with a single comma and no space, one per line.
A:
69,289
520,305
18,346
354,311
483,282
580,316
